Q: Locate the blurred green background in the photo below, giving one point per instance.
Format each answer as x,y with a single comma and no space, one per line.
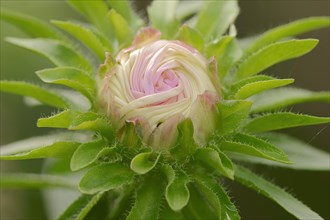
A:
311,71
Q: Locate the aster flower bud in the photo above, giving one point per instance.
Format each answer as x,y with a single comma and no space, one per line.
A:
158,83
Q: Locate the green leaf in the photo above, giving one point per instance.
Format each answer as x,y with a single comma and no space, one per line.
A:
253,88
273,54
81,207
162,16
283,97
303,155
71,77
87,153
105,177
185,144
30,25
56,51
191,37
148,200
125,9
291,29
177,193
33,91
35,181
144,162
226,51
95,12
120,26
281,120
167,213
250,145
203,204
216,161
84,35
232,114
60,120
75,120
33,143
252,79
94,122
227,208
56,150
215,18
275,193
187,8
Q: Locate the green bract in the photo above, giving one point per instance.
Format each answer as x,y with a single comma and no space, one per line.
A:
117,167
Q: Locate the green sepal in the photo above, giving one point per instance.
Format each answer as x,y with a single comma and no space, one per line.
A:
177,192
185,145
270,190
147,203
87,153
105,177
250,145
58,52
71,77
144,162
232,114
279,98
281,120
40,94
215,161
79,209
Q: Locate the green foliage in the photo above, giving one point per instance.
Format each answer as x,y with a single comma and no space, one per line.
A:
116,164
273,54
148,199
302,155
144,162
105,177
42,95
215,17
177,193
57,52
80,208
283,97
250,145
84,35
280,196
70,77
280,120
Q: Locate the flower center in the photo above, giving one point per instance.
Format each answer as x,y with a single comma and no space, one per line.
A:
167,80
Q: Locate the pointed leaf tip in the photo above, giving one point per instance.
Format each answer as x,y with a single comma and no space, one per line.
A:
144,162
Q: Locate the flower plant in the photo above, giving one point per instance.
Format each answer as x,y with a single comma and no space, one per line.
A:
159,113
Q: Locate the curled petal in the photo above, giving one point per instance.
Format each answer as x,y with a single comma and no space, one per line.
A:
204,116
166,134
